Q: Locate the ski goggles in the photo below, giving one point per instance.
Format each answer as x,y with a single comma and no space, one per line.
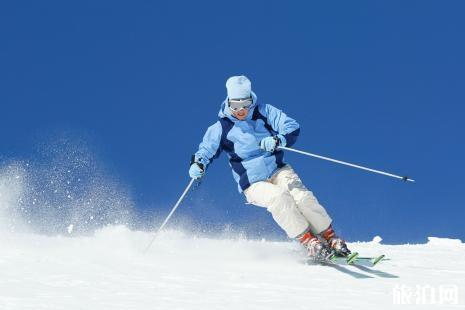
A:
239,104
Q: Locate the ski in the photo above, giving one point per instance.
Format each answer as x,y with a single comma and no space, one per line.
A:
333,259
371,261
345,260
355,259
351,259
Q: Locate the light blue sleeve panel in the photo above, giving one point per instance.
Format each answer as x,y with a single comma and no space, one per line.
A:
283,124
210,147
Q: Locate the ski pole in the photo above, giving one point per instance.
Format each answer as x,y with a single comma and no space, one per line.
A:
347,164
171,213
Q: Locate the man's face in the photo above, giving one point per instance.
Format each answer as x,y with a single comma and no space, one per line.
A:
241,114
240,107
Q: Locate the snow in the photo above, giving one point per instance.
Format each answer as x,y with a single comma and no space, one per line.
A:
70,228
108,270
54,254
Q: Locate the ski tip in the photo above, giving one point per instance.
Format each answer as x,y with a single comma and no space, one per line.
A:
377,259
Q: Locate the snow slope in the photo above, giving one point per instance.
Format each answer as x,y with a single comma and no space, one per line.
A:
109,271
55,255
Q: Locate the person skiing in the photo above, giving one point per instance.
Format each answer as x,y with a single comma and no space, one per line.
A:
250,132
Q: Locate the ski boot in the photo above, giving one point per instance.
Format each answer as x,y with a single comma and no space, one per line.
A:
317,250
335,243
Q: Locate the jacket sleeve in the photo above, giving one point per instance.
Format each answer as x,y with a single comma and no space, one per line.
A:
285,126
210,147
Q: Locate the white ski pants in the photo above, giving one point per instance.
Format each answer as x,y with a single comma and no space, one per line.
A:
291,204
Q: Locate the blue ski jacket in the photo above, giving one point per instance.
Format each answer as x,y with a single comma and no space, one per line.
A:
241,141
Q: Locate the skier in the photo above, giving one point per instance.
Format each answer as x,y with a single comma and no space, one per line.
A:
250,132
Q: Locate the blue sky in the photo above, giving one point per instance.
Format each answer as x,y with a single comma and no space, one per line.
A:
379,83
